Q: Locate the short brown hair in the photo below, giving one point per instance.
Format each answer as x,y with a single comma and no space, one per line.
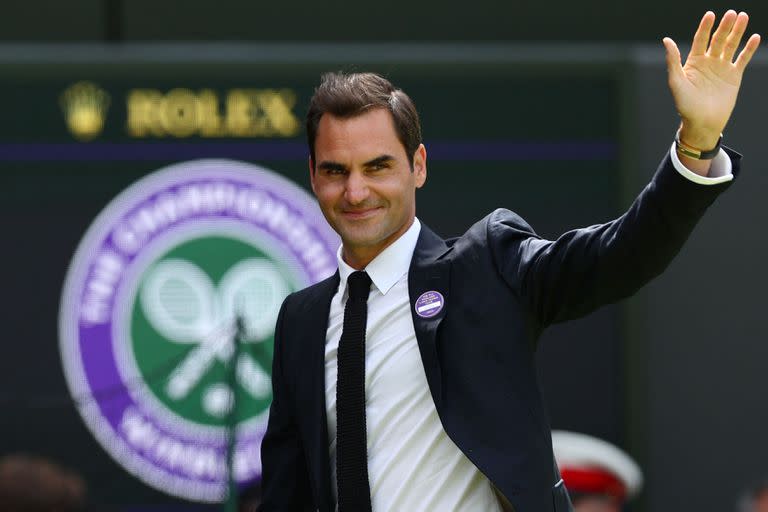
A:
352,94
35,484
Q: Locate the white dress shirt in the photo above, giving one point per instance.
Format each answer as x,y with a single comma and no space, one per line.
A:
412,463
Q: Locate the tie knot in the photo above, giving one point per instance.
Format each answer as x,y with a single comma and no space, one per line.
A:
359,284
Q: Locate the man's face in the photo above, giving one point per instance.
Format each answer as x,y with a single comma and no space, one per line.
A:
364,182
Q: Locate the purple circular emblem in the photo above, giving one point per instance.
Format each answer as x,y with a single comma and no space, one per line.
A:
148,311
429,304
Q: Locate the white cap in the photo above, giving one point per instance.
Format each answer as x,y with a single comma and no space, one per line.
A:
591,465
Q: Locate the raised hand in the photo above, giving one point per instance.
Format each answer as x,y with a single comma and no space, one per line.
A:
706,87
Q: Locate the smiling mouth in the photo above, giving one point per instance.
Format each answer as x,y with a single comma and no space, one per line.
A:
360,214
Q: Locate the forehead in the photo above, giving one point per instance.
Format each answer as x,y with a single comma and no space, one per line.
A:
367,135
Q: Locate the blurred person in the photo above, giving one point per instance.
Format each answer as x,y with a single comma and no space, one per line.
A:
35,484
599,476
249,498
406,381
755,498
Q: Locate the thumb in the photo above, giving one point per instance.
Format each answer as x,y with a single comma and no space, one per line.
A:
674,66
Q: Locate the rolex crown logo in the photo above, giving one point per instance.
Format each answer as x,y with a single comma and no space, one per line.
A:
85,107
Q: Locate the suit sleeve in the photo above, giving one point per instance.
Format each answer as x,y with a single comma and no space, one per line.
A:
285,479
589,267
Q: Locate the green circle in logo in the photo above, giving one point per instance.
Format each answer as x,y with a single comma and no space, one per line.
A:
202,327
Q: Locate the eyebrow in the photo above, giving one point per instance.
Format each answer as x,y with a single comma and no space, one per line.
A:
378,160
336,166
331,166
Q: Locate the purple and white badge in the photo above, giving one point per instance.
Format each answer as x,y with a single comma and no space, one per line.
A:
429,304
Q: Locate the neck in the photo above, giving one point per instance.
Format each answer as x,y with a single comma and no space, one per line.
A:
356,260
359,257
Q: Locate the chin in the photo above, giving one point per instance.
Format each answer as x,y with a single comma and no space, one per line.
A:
360,237
360,241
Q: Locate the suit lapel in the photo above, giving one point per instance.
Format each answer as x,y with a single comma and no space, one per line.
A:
315,320
429,273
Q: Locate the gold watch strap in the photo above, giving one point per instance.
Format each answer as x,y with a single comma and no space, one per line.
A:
696,153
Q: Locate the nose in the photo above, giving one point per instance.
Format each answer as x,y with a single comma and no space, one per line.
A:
356,190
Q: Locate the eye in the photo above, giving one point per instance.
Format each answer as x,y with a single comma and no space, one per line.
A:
379,166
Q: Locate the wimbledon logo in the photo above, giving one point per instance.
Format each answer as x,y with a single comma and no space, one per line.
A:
178,269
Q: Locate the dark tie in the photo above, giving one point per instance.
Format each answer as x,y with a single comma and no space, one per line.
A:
351,452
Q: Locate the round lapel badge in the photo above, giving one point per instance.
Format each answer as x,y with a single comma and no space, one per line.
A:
429,304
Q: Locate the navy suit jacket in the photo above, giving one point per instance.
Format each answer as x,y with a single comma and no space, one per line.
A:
502,285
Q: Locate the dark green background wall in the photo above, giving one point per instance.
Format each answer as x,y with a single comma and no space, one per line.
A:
337,20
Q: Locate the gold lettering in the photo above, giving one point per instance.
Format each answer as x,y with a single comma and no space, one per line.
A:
278,110
240,110
142,113
178,112
210,122
184,113
261,122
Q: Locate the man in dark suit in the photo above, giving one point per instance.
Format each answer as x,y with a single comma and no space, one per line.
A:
389,377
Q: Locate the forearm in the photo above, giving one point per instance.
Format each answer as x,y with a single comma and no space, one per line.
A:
586,268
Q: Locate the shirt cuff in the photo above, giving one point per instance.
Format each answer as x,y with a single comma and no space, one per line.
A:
719,172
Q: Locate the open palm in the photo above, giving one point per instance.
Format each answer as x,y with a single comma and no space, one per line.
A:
706,87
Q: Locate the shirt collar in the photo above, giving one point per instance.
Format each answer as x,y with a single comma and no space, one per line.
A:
390,265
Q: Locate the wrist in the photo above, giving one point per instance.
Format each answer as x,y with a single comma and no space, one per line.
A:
697,153
700,138
700,167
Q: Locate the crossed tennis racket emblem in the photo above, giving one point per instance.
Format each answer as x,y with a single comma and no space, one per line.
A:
183,305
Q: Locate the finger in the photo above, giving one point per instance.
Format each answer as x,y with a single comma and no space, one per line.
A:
674,66
734,38
720,35
749,50
701,38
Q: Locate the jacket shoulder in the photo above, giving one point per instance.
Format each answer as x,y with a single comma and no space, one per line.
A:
500,223
502,219
307,297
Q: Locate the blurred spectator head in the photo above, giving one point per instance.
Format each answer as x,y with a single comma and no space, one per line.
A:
755,498
34,484
599,476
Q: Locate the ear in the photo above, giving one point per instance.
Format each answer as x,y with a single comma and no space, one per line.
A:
420,165
312,174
